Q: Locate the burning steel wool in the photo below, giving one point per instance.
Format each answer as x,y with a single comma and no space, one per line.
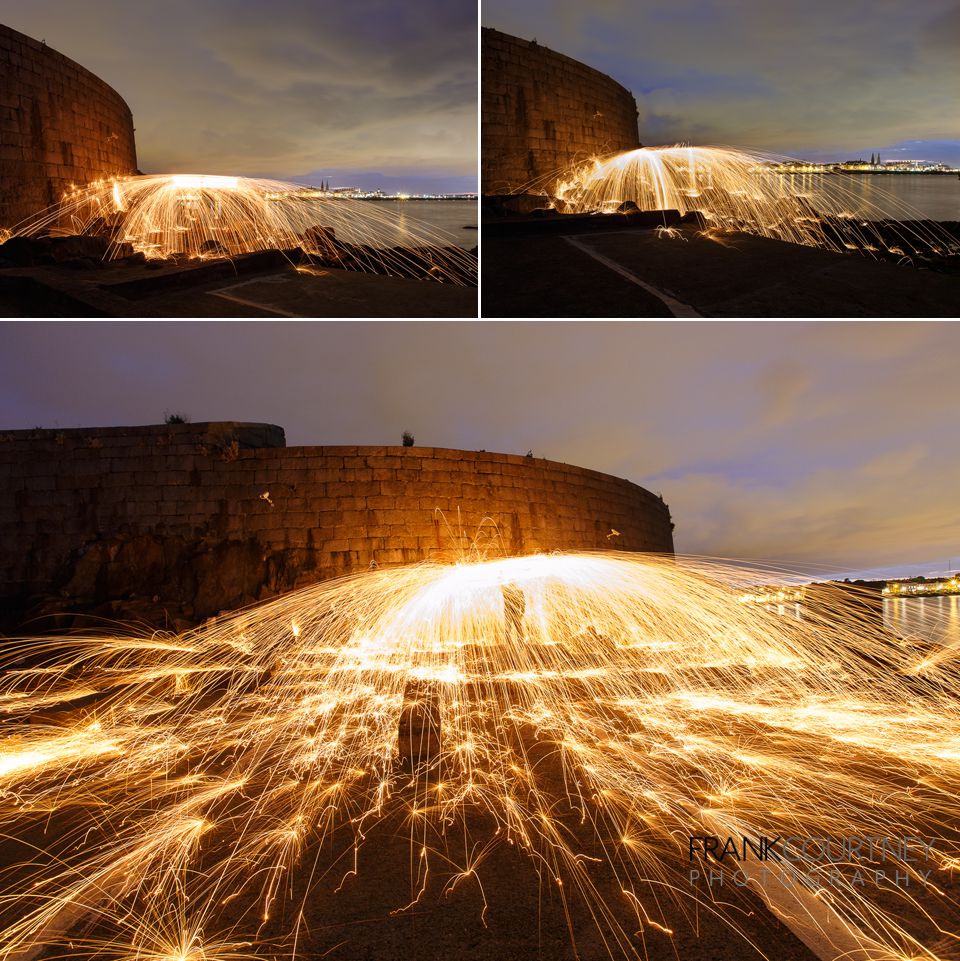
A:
742,191
597,712
189,215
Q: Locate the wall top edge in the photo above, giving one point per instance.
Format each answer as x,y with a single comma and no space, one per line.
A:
185,433
47,51
488,33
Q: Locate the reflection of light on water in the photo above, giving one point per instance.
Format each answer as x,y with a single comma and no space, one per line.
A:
450,216
934,196
935,618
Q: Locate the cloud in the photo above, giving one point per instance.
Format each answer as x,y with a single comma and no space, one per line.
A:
784,77
280,88
809,444
942,33
781,385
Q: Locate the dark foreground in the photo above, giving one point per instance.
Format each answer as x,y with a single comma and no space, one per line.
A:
609,268
266,285
366,895
481,897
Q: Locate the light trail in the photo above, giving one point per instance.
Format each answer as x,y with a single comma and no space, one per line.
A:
738,190
592,710
207,217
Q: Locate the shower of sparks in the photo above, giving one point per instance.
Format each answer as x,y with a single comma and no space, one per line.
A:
205,216
741,191
185,773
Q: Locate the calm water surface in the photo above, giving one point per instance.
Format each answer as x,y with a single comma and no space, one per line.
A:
898,196
935,618
446,216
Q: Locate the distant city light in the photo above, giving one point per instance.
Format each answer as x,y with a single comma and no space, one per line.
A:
944,585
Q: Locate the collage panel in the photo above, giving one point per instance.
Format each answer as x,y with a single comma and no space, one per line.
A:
238,158
476,482
694,159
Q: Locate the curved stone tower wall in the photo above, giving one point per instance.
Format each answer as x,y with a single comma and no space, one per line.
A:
59,126
199,518
541,111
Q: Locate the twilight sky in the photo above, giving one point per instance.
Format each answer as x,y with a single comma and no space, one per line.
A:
293,89
818,79
815,445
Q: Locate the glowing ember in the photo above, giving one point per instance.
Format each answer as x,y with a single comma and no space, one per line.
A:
210,763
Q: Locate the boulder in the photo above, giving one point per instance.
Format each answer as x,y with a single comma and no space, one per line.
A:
213,247
81,245
111,226
323,240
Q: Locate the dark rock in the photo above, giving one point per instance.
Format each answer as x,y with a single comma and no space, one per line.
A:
446,263
110,226
25,251
320,239
213,247
628,207
694,217
507,204
410,262
81,245
82,263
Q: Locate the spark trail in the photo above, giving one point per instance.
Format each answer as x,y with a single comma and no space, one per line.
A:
736,190
202,216
186,774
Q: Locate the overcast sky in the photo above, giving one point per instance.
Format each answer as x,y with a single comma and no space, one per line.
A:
807,444
818,79
293,89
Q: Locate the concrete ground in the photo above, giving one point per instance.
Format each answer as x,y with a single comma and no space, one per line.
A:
257,286
375,904
367,894
643,273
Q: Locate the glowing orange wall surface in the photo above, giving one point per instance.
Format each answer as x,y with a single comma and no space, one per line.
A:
211,516
59,125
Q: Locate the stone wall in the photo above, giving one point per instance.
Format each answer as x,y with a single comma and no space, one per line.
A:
59,126
541,111
188,520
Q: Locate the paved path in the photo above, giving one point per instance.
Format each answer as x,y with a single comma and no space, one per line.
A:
272,292
642,273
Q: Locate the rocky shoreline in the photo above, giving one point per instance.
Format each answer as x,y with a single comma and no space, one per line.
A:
320,247
925,244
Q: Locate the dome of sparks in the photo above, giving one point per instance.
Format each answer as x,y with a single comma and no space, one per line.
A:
205,216
586,710
736,190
